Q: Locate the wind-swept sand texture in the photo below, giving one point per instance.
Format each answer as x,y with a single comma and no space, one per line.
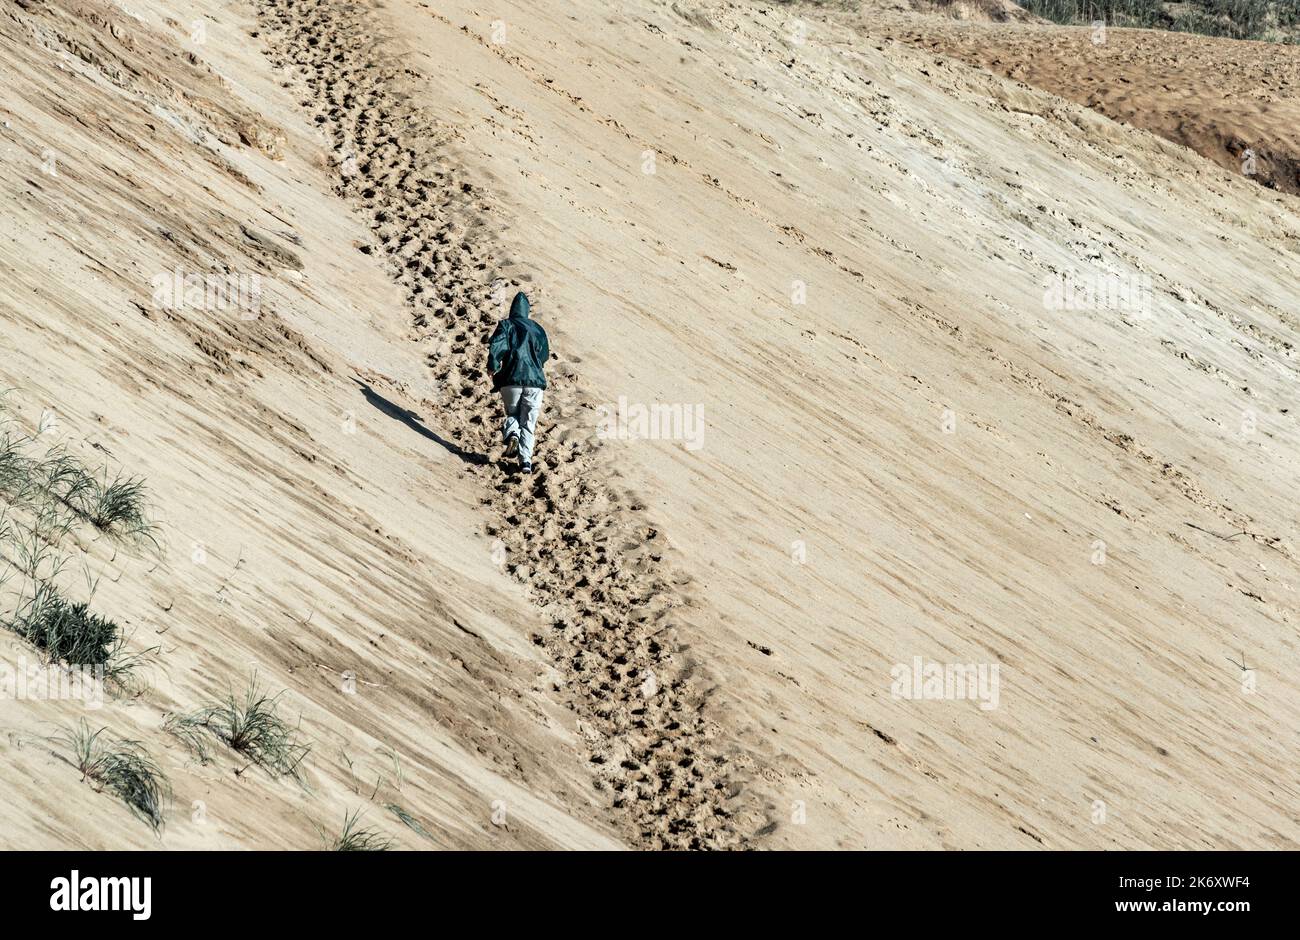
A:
835,247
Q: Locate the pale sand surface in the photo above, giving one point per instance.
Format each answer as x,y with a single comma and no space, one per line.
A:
918,460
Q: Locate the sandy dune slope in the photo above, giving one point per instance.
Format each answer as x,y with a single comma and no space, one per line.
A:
923,206
831,254
314,533
1236,103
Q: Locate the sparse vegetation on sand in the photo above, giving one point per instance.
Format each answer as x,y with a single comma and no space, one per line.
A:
355,838
69,632
122,767
409,821
248,725
55,485
45,496
117,506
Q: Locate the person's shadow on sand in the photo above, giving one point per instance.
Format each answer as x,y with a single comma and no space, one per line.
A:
413,421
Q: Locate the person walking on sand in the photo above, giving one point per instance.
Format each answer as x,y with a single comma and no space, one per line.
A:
517,354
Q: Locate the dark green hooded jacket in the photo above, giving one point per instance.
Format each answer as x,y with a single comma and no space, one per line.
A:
518,350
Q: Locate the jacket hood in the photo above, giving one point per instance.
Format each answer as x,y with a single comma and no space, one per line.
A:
519,307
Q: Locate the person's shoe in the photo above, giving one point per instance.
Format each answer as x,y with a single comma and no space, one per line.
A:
512,446
526,468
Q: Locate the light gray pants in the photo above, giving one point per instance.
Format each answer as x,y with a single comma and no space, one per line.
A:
523,405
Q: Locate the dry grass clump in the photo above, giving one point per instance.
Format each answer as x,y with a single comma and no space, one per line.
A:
249,725
123,768
355,838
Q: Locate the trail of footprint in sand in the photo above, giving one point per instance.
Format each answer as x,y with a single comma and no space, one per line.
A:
591,560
